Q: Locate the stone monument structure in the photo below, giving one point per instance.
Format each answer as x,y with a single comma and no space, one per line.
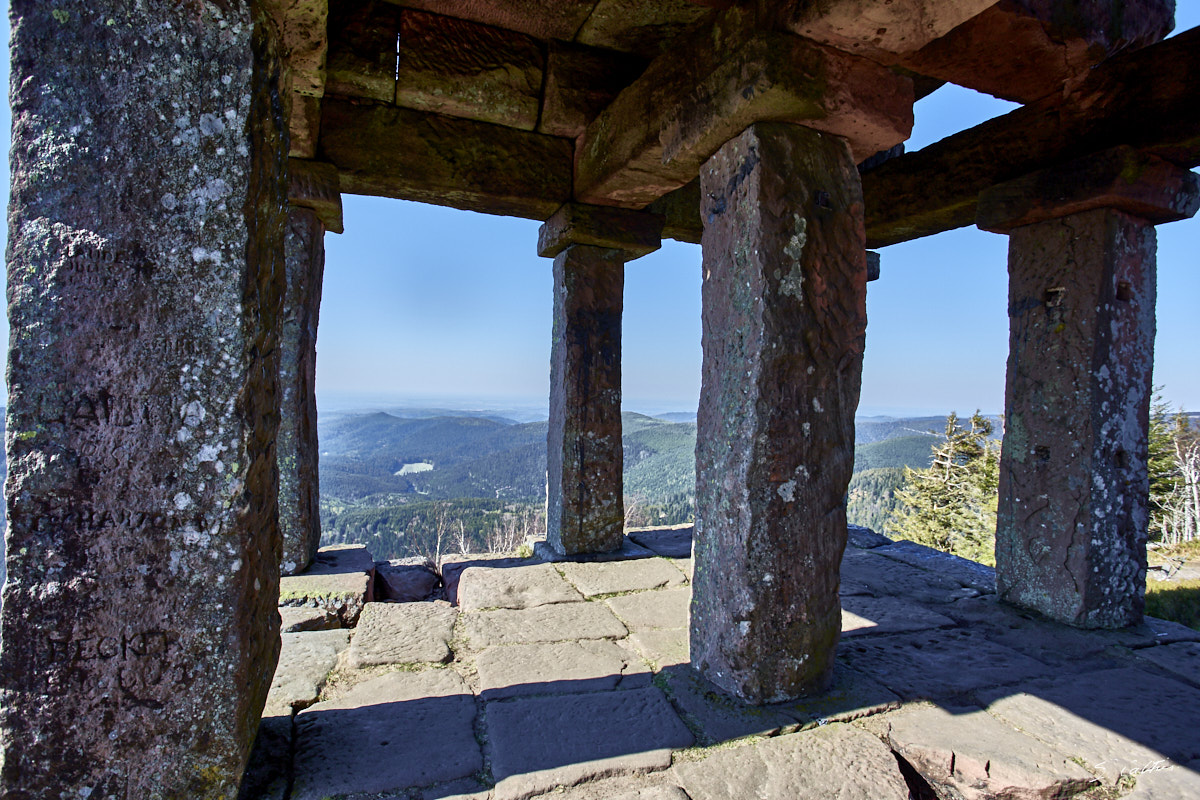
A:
175,166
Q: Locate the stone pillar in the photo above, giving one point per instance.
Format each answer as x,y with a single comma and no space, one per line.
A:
315,206
585,511
1072,515
138,633
784,299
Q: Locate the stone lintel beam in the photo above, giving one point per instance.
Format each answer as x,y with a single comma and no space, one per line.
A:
398,152
642,28
784,312
634,233
1146,99
878,29
580,83
1141,185
1026,50
874,264
362,50
315,185
680,210
653,138
544,19
464,69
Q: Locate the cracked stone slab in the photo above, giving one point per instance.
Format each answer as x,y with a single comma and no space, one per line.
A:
836,760
978,576
663,648
1116,720
400,730
714,716
1181,658
672,541
557,623
642,611
864,616
886,576
466,789
851,696
612,577
559,668
656,786
1167,781
541,743
939,663
298,619
305,660
340,580
964,752
402,633
523,586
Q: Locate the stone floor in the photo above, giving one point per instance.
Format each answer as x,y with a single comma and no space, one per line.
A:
570,680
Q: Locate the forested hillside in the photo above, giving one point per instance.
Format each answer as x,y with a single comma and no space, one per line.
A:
386,478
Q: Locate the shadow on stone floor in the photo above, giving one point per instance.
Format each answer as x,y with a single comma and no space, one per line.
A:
963,690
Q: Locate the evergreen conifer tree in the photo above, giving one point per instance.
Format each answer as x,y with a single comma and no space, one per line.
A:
951,505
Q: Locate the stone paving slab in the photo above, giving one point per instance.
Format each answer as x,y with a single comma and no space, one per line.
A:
305,659
559,668
715,717
865,538
851,696
405,580
965,752
298,619
523,586
1167,781
685,565
1116,720
556,623
403,729
455,564
662,647
1059,646
340,581
656,786
601,578
643,611
629,551
1181,658
833,761
978,576
465,789
886,576
266,775
938,664
402,633
540,743
672,541
869,616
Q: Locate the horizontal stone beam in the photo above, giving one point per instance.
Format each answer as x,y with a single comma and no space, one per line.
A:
634,233
878,29
545,19
1148,99
1026,50
1142,185
397,152
653,138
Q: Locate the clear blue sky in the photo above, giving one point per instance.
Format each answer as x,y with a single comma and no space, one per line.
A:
432,303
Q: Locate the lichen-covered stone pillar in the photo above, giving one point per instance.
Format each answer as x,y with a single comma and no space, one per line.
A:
585,509
316,206
784,306
139,634
1072,516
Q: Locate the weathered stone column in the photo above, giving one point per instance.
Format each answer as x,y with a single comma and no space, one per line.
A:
316,206
138,634
784,298
585,509
1072,516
